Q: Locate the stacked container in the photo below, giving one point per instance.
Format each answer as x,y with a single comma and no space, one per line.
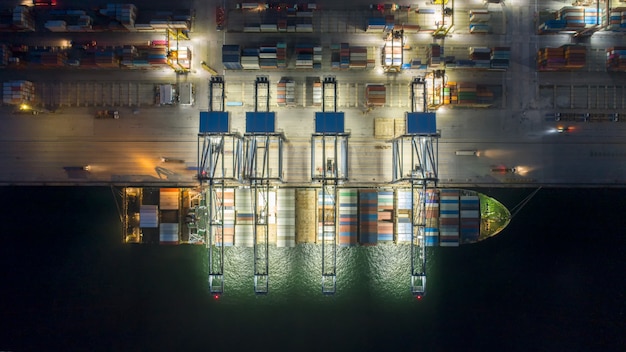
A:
286,218
18,92
435,52
317,57
479,28
449,218
56,26
317,92
575,56
550,59
154,56
375,25
389,23
326,218
250,59
348,222
368,217
404,205
466,93
617,19
285,92
107,59
244,220
481,56
376,94
551,26
305,216
479,16
53,59
385,216
500,57
126,14
573,16
129,52
470,219
304,55
231,57
431,228
450,94
344,55
335,61
228,203
23,19
281,55
616,58
268,57
4,55
484,95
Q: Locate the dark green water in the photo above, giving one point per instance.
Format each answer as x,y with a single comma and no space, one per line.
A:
552,281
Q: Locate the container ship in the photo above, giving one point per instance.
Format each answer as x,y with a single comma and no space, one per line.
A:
361,216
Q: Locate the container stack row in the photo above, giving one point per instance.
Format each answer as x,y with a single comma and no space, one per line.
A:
478,21
18,92
5,54
376,94
358,57
227,202
567,57
404,205
348,221
125,14
317,92
449,218
52,59
435,53
368,217
286,92
385,216
617,19
572,18
500,57
281,55
22,20
169,205
470,219
326,217
231,57
250,59
308,56
286,218
616,58
481,56
244,218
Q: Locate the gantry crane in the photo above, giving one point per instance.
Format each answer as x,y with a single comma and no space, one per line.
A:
329,167
219,162
415,161
263,167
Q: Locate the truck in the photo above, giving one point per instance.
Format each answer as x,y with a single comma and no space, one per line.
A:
219,18
107,114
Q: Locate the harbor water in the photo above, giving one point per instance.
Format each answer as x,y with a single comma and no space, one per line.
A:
552,280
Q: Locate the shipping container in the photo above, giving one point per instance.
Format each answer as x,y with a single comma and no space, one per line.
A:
168,233
286,218
306,218
368,216
244,220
